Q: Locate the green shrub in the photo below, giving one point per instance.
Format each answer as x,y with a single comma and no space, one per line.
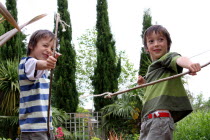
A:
4,139
95,138
196,126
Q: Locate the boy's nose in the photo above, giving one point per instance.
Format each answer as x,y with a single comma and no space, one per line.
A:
156,43
49,51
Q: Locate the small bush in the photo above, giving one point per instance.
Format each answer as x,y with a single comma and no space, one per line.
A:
4,139
196,126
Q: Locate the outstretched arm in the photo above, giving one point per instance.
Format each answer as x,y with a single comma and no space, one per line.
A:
188,64
50,63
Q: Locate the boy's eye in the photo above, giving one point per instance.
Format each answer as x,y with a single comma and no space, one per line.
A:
151,41
161,39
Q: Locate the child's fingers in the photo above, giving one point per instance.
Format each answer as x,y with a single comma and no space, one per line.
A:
195,67
57,54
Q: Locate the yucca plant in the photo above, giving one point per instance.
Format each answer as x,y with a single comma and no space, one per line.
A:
9,87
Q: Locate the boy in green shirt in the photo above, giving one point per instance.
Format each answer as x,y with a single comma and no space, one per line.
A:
166,102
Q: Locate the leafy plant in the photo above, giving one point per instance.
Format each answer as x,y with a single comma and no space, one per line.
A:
194,127
95,138
124,114
9,87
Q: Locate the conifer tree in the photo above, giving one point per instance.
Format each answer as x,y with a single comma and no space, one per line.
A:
14,48
107,70
65,95
145,60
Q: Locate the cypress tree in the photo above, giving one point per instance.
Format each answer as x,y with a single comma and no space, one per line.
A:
65,95
107,70
14,48
145,60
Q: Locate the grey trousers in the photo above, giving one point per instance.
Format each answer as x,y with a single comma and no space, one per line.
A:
36,136
157,129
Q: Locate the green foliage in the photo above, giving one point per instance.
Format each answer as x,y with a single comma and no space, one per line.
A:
59,116
81,109
145,60
14,48
128,72
65,95
107,70
8,126
4,139
9,87
124,113
95,138
86,61
147,21
194,127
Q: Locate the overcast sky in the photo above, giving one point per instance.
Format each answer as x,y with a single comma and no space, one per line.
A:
187,21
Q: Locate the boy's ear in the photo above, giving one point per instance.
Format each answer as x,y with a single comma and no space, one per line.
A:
30,47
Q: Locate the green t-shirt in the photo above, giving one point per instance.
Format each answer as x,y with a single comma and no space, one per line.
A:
170,94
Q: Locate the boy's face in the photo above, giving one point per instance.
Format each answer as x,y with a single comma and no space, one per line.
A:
43,49
156,45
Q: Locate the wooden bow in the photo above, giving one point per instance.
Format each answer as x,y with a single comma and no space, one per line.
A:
51,74
109,94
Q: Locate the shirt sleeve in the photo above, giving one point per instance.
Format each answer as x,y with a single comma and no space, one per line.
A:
30,69
169,61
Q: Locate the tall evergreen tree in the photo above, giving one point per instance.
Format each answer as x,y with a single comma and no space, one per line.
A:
145,60
65,95
107,70
14,48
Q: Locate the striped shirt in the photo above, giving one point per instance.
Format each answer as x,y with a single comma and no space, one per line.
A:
34,95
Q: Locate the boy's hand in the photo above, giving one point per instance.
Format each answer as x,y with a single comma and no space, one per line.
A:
186,63
51,61
48,64
140,80
57,54
193,68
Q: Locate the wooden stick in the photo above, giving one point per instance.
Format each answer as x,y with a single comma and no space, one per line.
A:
109,95
51,75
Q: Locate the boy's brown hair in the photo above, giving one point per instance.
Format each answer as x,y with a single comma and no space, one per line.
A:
36,36
157,29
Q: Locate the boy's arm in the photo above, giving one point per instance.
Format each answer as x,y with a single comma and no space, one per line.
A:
50,63
188,64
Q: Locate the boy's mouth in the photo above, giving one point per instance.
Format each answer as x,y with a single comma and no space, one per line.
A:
157,50
46,56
